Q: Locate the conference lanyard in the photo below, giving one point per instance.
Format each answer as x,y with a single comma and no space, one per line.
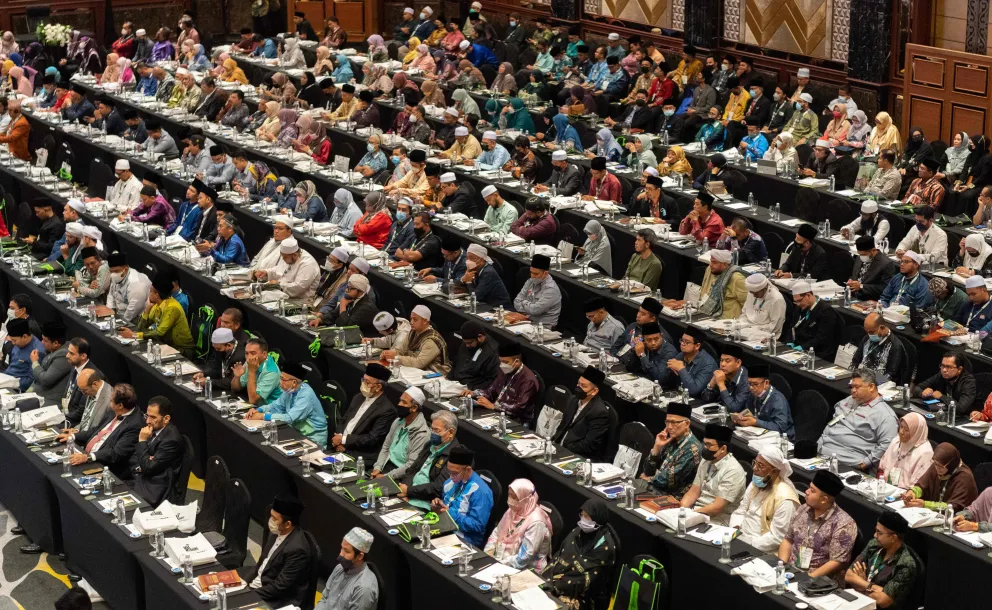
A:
903,286
973,312
507,386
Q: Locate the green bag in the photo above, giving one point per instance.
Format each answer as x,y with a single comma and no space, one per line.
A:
643,587
202,327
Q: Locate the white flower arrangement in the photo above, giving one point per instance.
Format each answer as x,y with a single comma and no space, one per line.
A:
54,34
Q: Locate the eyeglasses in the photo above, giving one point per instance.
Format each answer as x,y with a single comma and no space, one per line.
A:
948,366
684,341
675,422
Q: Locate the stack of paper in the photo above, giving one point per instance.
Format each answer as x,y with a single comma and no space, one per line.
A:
527,447
758,574
714,535
669,517
919,517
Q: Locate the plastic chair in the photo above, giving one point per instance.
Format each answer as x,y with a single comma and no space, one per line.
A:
810,413
236,520
775,246
636,436
334,400
497,488
557,525
613,434
383,602
211,515
177,495
780,384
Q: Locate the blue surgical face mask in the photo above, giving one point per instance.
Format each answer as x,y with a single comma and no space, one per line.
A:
401,216
798,106
669,112
395,160
753,92
435,438
759,482
423,16
513,23
369,147
874,338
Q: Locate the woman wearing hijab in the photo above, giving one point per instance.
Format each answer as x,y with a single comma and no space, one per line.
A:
948,480
518,118
127,74
909,454
537,89
219,58
8,46
313,140
309,205
974,256
769,503
948,298
288,130
20,83
954,158
200,61
83,55
265,181
346,212
342,73
675,163
978,516
467,75
112,73
282,88
411,54
163,49
465,103
17,58
638,151
271,126
324,64
565,133
580,574
606,146
424,61
596,249
783,153
884,135
379,81
977,170
522,539
402,84
433,95
505,81
377,48
255,120
232,73
292,55
836,131
917,149
373,227
581,101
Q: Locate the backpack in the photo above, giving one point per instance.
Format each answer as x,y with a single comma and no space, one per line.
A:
202,326
642,587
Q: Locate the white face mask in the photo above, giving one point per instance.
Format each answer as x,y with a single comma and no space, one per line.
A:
273,526
367,391
506,368
587,525
10,314
470,265
123,32
864,258
412,118
116,277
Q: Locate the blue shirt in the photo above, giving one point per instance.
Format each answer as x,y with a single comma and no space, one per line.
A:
697,373
597,74
188,219
481,56
20,362
376,161
469,505
491,159
148,85
400,236
301,410
756,146
773,413
975,317
183,299
56,250
267,49
232,250
736,397
904,291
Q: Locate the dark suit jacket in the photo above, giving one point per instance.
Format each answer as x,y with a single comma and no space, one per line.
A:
568,184
208,225
588,434
371,430
819,330
437,475
77,400
761,108
156,464
643,118
217,363
880,271
824,168
360,313
814,262
286,579
462,201
210,108
119,445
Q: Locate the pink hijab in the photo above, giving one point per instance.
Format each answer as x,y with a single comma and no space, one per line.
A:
518,519
23,85
912,458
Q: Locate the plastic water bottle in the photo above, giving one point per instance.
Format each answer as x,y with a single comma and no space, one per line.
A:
120,513
588,469
501,427
473,303
18,424
833,183
949,519
905,395
531,249
772,344
834,464
777,212
952,414
750,203
725,547
680,526
66,465
208,388
723,415
847,296
780,580
187,567
812,360
941,416
360,467
108,481
425,536
603,363
540,333
783,444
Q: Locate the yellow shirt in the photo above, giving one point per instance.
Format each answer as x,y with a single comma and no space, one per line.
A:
344,111
736,106
685,73
734,295
413,183
458,151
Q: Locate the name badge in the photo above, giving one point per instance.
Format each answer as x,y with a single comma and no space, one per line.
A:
475,356
805,556
623,350
836,419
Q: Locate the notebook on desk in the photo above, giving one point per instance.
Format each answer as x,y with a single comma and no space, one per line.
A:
766,167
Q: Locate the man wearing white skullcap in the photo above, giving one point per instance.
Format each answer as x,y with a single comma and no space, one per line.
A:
219,366
465,146
802,80
977,313
268,256
482,278
613,47
565,177
869,223
66,251
499,215
407,437
819,325
128,293
764,309
425,348
392,330
822,163
908,287
297,273
355,308
769,502
804,124
351,584
493,154
126,192
723,292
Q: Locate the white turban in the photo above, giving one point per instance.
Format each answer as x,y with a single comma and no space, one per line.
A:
721,256
92,233
477,250
423,312
416,394
221,336
360,282
74,228
756,282
773,455
77,205
869,206
289,246
488,190
383,320
916,256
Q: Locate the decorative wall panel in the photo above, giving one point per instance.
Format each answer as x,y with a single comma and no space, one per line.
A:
655,13
678,14
817,28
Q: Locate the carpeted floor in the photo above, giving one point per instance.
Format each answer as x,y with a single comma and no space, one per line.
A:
34,582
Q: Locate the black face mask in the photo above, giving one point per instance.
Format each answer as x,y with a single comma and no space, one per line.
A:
641,103
346,564
418,232
645,69
401,411
707,454
578,393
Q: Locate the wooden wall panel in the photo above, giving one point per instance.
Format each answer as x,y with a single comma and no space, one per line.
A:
946,92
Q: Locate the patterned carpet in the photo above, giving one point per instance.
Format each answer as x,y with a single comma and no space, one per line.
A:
34,582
